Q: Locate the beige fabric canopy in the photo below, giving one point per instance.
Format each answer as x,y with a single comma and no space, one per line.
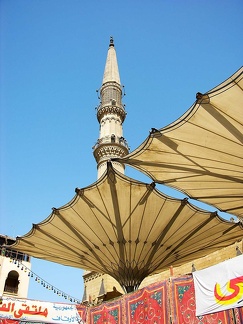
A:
127,229
201,153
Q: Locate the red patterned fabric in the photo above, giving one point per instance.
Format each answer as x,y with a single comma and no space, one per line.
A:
238,315
153,305
183,306
82,310
108,313
148,305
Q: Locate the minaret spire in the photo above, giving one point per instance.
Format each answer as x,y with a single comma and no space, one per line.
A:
111,115
111,72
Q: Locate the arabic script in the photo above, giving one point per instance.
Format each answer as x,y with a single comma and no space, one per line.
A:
24,310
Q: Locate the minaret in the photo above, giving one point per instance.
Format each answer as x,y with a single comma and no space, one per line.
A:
110,144
111,115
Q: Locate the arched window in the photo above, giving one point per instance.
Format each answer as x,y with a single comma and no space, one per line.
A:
12,282
113,138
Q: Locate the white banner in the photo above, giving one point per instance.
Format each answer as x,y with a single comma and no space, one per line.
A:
38,311
219,287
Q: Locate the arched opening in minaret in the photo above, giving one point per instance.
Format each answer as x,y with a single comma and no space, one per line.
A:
113,138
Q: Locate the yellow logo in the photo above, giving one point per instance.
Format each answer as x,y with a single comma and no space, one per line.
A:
235,289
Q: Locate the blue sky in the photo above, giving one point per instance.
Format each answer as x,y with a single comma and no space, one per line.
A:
52,60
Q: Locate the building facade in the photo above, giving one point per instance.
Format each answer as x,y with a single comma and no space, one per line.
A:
14,270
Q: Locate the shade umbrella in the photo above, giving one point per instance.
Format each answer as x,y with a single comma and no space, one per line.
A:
127,229
201,153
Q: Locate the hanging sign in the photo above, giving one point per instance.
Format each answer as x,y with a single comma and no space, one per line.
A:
219,287
38,311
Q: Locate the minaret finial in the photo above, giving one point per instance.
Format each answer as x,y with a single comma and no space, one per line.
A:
111,41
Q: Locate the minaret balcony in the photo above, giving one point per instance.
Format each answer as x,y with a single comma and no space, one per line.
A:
107,151
111,139
112,108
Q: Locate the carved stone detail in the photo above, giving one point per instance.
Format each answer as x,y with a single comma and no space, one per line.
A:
113,110
107,151
89,276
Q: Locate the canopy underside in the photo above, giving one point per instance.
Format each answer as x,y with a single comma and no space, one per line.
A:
126,229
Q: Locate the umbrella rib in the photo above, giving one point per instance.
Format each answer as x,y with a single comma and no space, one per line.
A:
76,233
186,238
129,220
152,226
196,172
95,234
107,217
113,191
89,203
60,243
47,254
215,113
180,242
142,201
210,246
162,235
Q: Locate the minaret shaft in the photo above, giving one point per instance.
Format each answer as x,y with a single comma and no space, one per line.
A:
111,115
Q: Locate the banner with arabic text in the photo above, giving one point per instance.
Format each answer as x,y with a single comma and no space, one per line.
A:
37,311
219,287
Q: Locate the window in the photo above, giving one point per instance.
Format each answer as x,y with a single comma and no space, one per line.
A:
12,282
113,138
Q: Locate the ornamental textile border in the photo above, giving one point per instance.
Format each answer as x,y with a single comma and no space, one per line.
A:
183,306
238,312
108,313
148,305
82,310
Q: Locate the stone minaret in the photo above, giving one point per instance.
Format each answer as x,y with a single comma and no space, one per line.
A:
111,115
111,144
